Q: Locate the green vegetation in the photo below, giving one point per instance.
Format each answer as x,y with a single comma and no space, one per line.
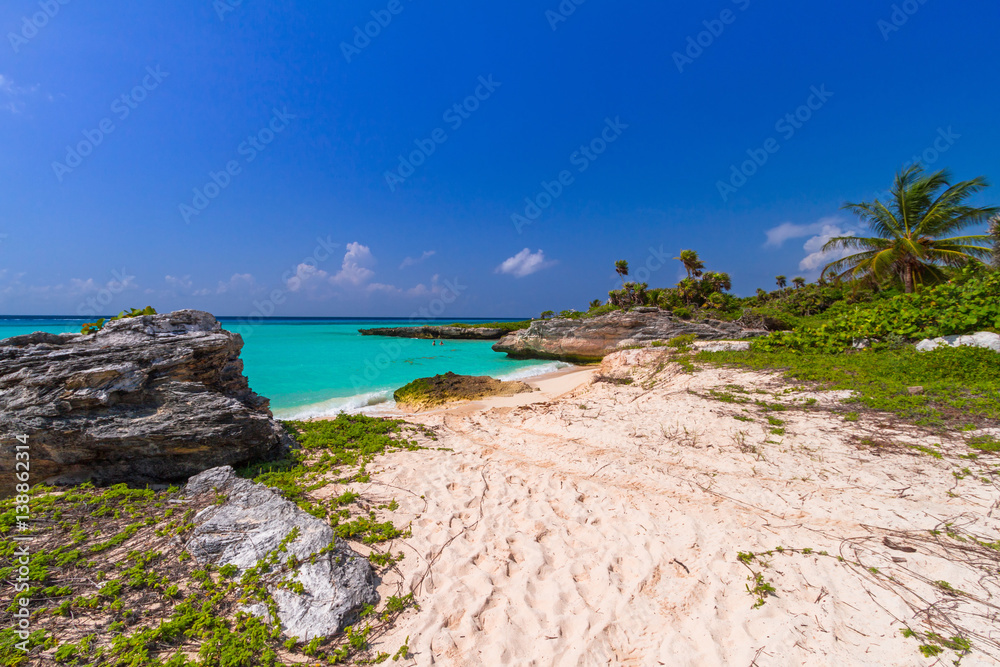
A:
968,303
960,385
507,327
429,392
94,327
110,583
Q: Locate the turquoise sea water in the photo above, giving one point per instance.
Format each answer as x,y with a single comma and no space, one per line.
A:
313,367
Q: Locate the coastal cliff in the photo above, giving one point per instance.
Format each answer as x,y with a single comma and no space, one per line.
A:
147,399
431,332
589,340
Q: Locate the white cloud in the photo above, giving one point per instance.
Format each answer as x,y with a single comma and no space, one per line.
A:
354,269
184,283
776,236
12,94
819,233
410,261
422,290
307,278
816,258
237,283
524,264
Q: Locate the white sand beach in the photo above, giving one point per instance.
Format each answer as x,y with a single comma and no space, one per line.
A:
593,523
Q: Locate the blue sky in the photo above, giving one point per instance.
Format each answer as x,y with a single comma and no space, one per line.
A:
245,157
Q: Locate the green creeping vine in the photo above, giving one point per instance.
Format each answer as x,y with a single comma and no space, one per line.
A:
111,585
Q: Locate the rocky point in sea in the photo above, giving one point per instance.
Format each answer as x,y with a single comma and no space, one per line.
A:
591,339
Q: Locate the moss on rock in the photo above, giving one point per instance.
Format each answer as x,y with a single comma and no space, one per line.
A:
425,393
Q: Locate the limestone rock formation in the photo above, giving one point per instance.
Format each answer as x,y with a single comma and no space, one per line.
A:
425,393
985,339
590,339
252,523
435,332
155,398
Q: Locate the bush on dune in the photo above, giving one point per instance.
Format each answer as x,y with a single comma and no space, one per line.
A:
967,304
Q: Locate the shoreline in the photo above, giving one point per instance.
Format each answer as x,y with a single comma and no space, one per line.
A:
547,387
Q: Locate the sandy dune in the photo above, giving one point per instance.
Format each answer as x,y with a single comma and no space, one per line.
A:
603,527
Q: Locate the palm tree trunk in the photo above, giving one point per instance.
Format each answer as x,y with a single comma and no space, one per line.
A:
908,279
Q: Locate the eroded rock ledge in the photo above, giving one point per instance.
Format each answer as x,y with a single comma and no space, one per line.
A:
590,340
156,398
426,393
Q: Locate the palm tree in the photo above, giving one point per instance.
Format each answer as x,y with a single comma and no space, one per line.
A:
717,282
799,282
687,290
693,265
621,268
782,281
914,230
596,303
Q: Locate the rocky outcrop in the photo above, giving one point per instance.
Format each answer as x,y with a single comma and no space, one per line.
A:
431,392
155,398
432,332
253,523
589,340
984,339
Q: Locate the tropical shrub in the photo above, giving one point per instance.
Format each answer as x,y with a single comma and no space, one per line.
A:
957,307
94,327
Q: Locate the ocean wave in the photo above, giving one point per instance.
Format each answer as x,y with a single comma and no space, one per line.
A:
534,371
380,402
374,401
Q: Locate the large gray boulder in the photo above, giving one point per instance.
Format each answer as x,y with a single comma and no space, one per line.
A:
156,398
252,523
591,339
983,339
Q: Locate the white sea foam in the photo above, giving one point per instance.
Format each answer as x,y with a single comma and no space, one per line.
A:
377,403
331,408
534,371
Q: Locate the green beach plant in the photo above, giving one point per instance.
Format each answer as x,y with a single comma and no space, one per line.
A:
94,327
